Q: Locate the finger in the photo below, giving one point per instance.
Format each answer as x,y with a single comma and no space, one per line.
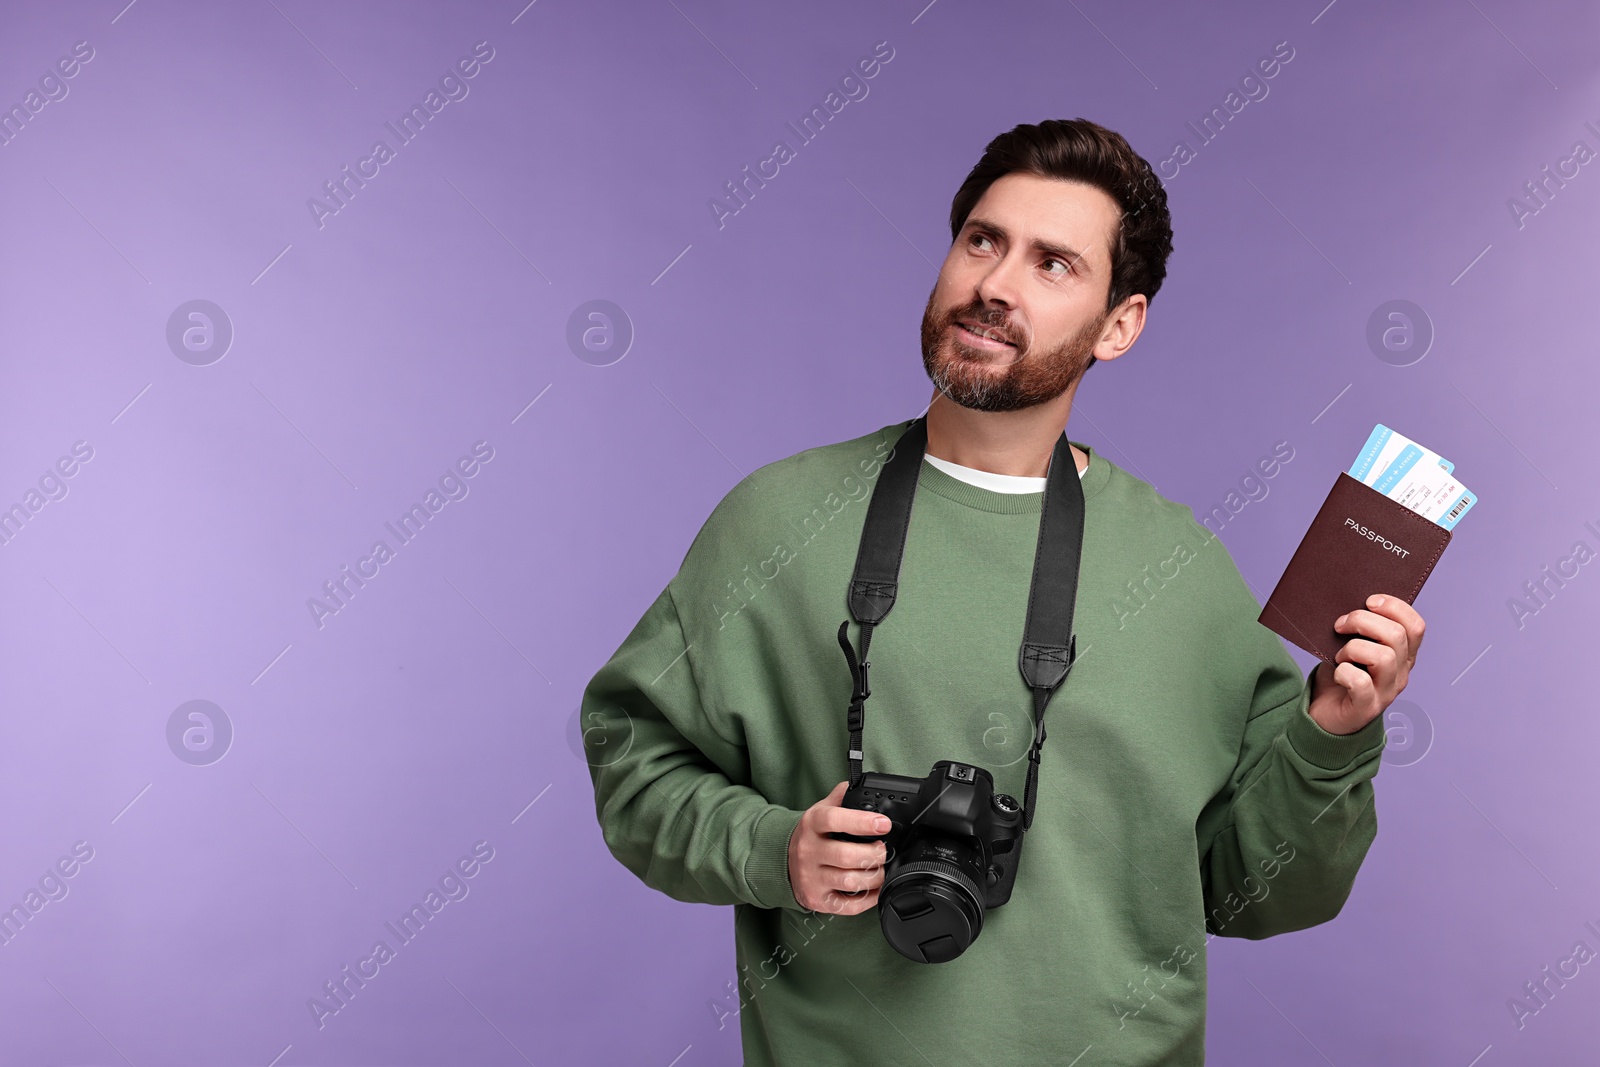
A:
1372,624
1381,664
852,855
1380,628
814,815
851,821
851,881
1381,660
1363,694
1403,613
835,903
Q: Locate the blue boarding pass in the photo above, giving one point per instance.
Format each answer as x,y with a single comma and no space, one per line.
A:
1412,475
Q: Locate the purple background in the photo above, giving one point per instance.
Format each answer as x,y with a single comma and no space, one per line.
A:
370,352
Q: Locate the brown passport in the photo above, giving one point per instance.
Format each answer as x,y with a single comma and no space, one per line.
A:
1360,543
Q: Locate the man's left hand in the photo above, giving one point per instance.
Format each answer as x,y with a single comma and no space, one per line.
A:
1344,697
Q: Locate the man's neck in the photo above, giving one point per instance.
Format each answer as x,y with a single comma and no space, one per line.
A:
1018,443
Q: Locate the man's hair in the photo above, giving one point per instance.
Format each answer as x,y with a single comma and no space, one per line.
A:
1080,150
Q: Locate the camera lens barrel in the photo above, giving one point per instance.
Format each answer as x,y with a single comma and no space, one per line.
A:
931,909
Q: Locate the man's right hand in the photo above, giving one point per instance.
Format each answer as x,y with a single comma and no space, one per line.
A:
832,876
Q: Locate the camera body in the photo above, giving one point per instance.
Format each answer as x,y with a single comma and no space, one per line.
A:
952,853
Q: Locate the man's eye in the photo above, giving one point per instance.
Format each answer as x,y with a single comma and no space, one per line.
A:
1065,268
978,237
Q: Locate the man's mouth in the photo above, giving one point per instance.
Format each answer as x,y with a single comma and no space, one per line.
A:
983,336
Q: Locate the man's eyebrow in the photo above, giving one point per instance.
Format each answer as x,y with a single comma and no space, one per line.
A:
1070,256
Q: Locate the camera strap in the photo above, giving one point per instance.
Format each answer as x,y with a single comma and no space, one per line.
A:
1048,643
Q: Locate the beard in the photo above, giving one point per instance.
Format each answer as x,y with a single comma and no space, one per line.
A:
973,377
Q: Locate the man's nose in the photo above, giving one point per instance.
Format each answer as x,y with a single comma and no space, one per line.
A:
1000,282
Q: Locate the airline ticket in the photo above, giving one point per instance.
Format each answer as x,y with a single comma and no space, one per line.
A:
1413,475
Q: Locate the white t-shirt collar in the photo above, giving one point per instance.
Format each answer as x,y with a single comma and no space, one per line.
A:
999,483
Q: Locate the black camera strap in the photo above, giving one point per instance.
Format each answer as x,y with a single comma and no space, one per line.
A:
1048,643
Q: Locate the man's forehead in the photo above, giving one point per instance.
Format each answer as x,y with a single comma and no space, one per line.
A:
1052,211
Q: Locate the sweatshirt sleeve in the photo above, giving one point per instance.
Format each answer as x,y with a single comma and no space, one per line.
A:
1297,815
669,789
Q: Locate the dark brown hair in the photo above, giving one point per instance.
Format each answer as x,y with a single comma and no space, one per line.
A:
1080,150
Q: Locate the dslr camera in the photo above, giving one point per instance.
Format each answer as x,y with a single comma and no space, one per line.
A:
952,853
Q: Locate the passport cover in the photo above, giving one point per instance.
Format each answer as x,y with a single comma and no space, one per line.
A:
1360,543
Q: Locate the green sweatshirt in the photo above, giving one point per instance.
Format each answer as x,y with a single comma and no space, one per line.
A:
1184,791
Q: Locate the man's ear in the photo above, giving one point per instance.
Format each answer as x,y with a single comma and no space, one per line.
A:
1123,327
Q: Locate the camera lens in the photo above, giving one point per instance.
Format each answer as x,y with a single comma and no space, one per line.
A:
931,908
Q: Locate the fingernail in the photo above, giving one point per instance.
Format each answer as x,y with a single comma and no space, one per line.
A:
1377,601
1340,622
883,825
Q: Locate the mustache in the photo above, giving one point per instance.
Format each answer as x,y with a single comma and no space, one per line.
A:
990,319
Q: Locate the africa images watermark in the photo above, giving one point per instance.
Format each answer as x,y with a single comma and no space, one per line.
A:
340,990
1539,993
53,88
739,594
1538,192
854,89
1252,88
1136,595
1222,914
52,887
453,485
1539,592
780,957
1253,484
52,486
452,87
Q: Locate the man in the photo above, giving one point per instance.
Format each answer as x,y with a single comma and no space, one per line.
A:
1195,784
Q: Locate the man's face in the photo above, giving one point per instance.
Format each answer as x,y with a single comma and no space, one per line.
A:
1031,264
